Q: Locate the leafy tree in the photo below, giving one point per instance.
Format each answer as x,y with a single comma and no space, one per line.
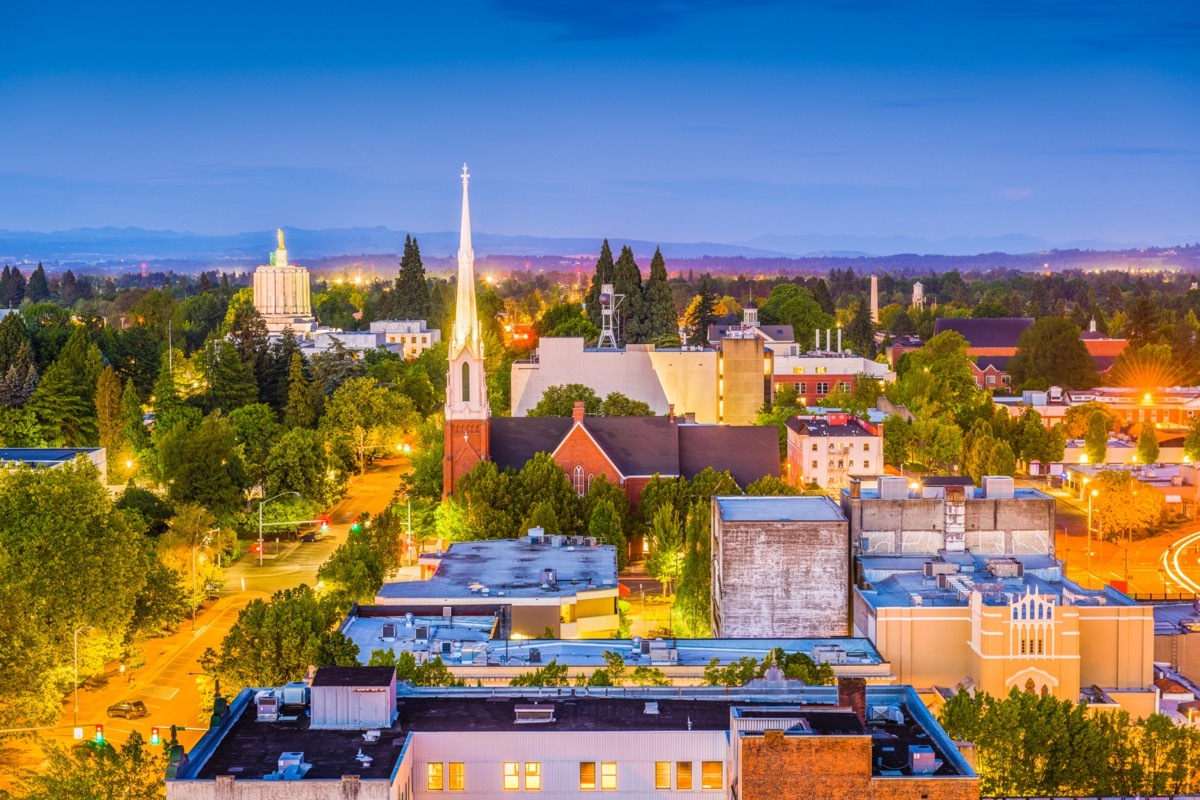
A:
133,418
20,380
148,507
1122,506
1191,442
794,305
542,480
559,401
483,506
64,401
354,570
257,432
553,674
618,405
937,378
1036,442
736,673
1095,443
193,542
1077,419
432,673
1147,446
694,595
605,525
361,416
1050,353
273,642
648,676
769,485
109,421
784,405
542,516
132,771
297,463
897,440
412,294
605,273
936,442
564,320
1001,460
203,464
659,315
800,667
13,337
665,561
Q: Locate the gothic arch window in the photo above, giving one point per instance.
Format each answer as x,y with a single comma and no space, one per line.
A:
466,382
577,480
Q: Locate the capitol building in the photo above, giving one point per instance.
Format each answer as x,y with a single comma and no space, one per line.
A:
282,294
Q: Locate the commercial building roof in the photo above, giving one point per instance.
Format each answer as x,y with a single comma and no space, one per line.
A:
1172,618
814,508
821,426
508,568
913,589
44,456
353,676
1001,332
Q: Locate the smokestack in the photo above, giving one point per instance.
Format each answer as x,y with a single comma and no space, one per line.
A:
827,332
817,343
852,694
839,338
875,299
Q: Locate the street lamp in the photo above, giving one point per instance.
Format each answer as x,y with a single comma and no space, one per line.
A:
1091,497
262,503
203,542
75,717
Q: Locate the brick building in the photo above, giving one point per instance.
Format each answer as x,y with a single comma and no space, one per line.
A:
814,375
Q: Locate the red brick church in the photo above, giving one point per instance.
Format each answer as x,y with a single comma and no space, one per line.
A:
628,451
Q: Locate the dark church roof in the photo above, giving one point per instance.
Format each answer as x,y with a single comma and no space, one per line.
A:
1004,332
645,445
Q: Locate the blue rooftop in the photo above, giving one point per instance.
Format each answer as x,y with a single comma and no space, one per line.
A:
815,508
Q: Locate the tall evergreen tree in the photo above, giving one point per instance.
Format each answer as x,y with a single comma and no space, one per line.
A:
604,274
627,280
68,289
110,422
20,380
12,336
17,293
820,293
38,288
6,287
231,381
860,335
133,418
248,332
301,408
64,401
660,317
703,311
412,293
437,309
279,360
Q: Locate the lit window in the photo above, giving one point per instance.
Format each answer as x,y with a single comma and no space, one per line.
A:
814,447
683,775
821,370
662,774
608,776
577,478
512,780
712,774
866,447
587,775
433,777
851,463
533,776
457,776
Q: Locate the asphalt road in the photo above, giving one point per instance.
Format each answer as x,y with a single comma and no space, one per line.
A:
167,682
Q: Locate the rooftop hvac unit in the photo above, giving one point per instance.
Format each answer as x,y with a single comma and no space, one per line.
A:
943,582
921,759
590,541
447,613
829,654
892,487
388,632
998,486
447,648
422,633
888,713
408,618
293,759
645,647
652,707
535,655
533,714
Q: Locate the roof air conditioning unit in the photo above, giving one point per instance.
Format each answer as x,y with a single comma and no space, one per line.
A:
535,655
388,632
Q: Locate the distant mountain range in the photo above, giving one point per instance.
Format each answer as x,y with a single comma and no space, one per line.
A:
94,245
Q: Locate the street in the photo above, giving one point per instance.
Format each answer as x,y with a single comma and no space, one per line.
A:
167,683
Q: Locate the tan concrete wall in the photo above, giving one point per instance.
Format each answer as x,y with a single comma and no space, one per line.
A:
741,381
926,646
1116,646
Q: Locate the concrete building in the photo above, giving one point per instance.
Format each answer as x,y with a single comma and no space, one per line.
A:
850,742
816,374
565,584
413,336
1177,638
827,450
780,567
283,295
473,645
948,514
992,625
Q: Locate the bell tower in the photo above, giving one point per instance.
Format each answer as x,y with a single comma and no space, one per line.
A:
466,386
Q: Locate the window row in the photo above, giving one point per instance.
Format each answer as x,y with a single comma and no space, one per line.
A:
866,464
602,775
833,446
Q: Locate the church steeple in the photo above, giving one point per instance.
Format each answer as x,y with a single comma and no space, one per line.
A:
466,317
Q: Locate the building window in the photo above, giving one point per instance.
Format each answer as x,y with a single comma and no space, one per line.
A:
822,388
866,464
844,386
608,776
587,775
991,380
712,774
852,463
797,370
578,480
866,447
433,777
466,382
591,477
457,776
512,780
662,774
821,370
802,388
814,447
683,775
814,466
533,776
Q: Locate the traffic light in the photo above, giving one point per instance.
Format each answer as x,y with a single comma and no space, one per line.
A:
355,525
258,548
154,739
324,526
99,737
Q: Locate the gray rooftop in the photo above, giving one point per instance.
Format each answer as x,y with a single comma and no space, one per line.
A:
509,568
912,589
815,508
1172,618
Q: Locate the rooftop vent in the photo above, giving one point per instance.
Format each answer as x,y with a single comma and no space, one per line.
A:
652,708
422,633
535,656
921,759
534,714
388,632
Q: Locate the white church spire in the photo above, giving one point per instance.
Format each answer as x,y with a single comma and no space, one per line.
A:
466,317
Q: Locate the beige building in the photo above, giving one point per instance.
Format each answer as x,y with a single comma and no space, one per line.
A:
995,627
411,337
282,294
827,450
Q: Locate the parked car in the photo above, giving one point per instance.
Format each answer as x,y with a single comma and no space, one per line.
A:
129,709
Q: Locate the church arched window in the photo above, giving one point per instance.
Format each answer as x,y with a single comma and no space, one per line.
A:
577,480
466,382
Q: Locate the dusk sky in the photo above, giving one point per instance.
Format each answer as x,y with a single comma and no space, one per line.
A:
662,120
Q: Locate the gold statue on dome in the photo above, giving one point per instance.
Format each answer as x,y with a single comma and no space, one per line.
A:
279,232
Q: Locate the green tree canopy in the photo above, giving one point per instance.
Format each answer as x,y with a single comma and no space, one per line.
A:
203,464
559,401
660,316
1050,353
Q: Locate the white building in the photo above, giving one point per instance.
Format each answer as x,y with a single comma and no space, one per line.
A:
282,294
411,334
827,450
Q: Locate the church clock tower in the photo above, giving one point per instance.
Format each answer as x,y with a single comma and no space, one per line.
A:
466,388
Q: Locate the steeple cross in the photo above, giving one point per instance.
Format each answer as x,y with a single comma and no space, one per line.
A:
465,174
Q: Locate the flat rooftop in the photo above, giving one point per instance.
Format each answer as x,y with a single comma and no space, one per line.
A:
250,749
44,455
820,426
815,508
1171,618
971,493
509,568
913,589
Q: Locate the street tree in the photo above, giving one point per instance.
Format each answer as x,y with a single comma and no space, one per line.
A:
559,401
693,602
297,463
257,431
1122,508
487,499
203,464
605,525
1147,446
130,771
362,416
1095,443
109,420
666,541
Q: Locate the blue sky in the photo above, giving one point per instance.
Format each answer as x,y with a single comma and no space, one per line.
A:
656,119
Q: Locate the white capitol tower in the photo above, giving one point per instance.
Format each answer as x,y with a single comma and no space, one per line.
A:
282,293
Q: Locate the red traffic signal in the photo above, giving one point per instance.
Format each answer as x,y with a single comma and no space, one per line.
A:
154,738
99,737
258,548
324,525
354,525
